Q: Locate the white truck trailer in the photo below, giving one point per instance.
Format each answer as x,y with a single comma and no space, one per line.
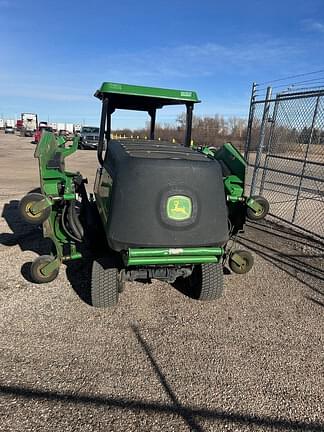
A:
29,124
70,128
10,123
60,127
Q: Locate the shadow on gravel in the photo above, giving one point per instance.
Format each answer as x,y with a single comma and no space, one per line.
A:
190,414
180,409
79,275
30,238
298,255
25,271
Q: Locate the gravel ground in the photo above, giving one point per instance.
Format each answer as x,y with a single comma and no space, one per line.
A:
252,361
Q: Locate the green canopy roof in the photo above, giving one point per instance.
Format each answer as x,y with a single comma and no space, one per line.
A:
126,96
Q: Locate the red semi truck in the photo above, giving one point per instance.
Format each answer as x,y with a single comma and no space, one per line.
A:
43,126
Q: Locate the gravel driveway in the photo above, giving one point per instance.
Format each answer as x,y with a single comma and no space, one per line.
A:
159,361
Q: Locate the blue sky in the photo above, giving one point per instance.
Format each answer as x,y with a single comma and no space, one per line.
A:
55,54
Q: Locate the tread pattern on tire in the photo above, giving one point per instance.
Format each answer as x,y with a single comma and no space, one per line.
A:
104,285
212,282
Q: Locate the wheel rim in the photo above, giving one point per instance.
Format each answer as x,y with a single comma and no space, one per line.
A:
39,270
260,212
40,267
29,212
244,265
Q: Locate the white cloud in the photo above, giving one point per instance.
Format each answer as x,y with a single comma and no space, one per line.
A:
199,61
313,25
161,66
214,65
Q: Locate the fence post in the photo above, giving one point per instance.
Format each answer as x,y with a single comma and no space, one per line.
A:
250,121
273,123
310,139
265,117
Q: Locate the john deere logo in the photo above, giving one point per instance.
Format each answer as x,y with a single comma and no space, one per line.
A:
179,207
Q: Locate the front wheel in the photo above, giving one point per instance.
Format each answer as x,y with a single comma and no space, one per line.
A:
262,213
36,270
206,282
241,261
25,207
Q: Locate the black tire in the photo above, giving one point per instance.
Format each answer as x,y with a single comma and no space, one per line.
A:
24,209
206,282
35,270
105,283
248,259
262,214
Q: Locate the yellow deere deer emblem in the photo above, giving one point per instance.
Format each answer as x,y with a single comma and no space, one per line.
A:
179,207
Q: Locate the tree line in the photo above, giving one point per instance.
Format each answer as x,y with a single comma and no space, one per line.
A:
206,130
216,130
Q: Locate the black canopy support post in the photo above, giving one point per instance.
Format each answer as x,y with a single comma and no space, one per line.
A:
102,130
110,110
152,114
188,124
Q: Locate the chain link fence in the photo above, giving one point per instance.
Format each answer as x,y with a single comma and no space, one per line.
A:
285,151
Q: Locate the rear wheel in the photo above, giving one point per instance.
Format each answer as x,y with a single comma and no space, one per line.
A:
206,282
25,206
105,284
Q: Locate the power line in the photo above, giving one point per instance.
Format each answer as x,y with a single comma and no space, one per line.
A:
305,88
319,81
290,77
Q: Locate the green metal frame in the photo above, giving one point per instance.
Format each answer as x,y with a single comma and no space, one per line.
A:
52,182
165,256
140,98
166,96
233,183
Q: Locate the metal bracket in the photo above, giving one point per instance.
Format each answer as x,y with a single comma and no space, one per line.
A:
39,206
237,259
50,267
254,205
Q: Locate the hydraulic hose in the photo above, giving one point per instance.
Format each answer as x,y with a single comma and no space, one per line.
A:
76,219
68,232
74,222
74,229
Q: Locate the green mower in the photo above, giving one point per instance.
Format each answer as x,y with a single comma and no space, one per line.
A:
159,210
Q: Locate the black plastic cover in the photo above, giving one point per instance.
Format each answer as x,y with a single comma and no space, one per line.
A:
144,175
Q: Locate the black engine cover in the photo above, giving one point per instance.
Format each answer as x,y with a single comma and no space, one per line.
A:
151,184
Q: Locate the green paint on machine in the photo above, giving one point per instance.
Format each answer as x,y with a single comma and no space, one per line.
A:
146,194
179,208
170,95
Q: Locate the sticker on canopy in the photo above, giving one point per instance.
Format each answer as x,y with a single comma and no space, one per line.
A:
179,207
